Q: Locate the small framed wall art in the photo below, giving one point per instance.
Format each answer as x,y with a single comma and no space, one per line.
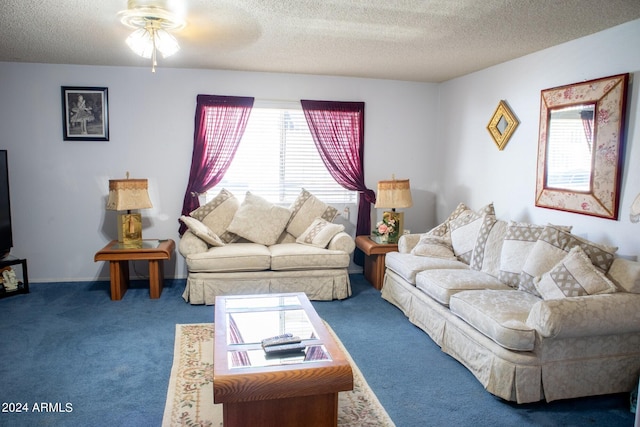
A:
502,125
85,113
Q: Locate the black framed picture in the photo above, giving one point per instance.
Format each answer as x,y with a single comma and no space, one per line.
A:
85,113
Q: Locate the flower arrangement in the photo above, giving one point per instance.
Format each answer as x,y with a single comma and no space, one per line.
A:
387,229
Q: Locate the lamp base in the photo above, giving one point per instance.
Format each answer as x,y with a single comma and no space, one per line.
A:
130,229
398,217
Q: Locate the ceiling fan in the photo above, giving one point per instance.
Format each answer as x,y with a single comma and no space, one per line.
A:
153,22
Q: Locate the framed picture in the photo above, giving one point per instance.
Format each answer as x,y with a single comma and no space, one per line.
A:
85,113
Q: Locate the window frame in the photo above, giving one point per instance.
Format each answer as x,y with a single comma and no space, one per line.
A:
287,194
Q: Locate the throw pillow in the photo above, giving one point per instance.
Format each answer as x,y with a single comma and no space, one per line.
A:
518,242
218,213
319,233
433,246
442,230
486,253
464,231
305,210
201,231
625,274
552,246
259,220
573,276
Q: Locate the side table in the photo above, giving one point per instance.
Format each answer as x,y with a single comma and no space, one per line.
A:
119,255
374,259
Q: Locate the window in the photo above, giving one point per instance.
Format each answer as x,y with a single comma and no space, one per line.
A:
277,157
570,151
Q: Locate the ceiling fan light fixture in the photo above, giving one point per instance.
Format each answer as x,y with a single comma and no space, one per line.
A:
142,42
152,22
166,43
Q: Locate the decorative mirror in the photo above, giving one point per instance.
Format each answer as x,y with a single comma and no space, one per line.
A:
580,146
502,125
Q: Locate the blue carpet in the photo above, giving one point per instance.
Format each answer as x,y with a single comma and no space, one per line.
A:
73,357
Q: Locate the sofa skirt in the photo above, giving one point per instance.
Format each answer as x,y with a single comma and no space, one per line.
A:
319,285
556,369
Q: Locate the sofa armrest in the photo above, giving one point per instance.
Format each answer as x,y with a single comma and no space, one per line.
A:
342,242
191,244
407,242
604,314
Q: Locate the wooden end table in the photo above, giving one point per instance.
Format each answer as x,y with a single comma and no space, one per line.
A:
119,255
374,259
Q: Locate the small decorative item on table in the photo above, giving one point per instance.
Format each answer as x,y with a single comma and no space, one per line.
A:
12,282
387,230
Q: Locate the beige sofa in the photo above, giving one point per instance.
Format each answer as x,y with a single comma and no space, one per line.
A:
532,311
258,247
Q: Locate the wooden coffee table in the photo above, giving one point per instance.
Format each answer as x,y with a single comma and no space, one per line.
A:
254,389
119,255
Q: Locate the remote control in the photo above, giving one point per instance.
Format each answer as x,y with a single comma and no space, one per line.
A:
284,348
288,334
280,339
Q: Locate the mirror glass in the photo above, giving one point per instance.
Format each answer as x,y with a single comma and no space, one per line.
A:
570,147
580,146
502,125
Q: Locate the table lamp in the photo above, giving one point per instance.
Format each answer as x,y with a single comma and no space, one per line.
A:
391,195
126,195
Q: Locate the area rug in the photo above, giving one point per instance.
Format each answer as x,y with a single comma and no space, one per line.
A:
190,392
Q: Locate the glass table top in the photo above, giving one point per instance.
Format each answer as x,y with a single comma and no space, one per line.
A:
267,301
250,320
146,244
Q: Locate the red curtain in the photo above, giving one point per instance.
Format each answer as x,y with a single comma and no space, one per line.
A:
219,124
587,123
338,132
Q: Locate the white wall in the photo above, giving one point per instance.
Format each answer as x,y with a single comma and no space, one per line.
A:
59,188
476,172
434,135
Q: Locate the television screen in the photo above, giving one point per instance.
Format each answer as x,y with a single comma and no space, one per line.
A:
6,237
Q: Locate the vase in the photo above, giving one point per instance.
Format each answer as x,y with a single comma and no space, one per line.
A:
384,238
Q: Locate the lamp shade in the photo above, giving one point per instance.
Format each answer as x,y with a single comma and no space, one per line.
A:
127,194
394,194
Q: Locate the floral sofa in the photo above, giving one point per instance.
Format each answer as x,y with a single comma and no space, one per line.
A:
533,311
258,247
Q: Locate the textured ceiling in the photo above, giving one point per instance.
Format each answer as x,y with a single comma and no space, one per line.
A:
416,40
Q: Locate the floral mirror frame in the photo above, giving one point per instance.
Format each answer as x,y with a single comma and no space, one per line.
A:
607,97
